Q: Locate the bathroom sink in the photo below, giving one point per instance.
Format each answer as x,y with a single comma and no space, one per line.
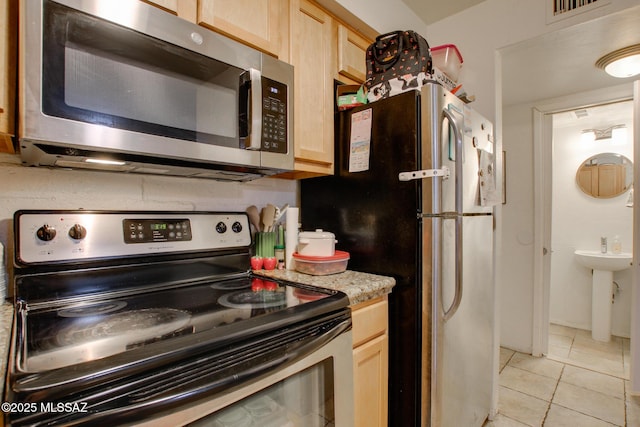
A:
604,262
603,266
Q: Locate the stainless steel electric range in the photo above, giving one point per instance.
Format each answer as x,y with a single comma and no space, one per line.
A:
155,317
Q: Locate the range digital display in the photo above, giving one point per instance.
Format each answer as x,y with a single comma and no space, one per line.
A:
156,230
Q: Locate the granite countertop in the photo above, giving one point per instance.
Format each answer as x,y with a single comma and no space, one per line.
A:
359,287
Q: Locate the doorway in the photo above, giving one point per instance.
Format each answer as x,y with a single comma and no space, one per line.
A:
585,209
567,219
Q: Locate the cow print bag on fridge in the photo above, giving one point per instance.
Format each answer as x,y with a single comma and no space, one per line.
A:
397,62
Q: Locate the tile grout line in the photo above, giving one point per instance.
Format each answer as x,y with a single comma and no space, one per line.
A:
507,362
574,343
624,384
573,340
599,372
564,365
546,414
571,362
626,422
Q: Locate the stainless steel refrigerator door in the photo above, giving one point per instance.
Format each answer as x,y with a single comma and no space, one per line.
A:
477,136
465,340
458,283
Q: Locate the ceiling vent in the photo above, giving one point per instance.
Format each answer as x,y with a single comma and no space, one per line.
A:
561,9
564,6
581,113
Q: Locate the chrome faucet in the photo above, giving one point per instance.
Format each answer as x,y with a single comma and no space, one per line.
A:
603,245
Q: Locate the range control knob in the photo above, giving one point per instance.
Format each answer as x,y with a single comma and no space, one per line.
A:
236,227
221,227
77,232
46,233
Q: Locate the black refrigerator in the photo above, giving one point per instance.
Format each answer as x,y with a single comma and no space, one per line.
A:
412,198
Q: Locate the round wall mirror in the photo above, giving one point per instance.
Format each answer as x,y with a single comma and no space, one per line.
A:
605,175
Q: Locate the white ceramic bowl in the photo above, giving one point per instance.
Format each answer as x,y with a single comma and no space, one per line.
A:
317,243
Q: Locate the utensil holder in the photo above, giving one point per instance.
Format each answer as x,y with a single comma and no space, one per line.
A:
265,244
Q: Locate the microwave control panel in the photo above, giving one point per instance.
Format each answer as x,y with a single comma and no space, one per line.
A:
274,116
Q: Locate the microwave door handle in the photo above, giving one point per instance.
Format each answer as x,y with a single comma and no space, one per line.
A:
255,110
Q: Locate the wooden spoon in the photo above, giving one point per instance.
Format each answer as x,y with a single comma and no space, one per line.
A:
268,215
254,217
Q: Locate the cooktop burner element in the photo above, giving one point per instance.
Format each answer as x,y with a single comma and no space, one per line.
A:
253,300
129,326
92,309
230,285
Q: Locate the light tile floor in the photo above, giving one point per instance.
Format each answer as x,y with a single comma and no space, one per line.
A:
582,383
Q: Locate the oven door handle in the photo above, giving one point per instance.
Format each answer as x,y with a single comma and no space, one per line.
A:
20,332
249,358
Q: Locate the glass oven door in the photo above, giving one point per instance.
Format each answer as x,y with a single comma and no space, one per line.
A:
315,391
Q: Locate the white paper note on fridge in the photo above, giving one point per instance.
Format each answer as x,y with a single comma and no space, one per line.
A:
360,141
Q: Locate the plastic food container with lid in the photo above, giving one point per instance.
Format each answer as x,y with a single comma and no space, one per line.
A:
447,59
321,266
316,243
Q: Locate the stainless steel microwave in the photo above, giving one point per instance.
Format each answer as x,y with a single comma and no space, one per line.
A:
120,85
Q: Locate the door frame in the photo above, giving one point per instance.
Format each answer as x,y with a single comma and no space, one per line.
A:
635,271
542,179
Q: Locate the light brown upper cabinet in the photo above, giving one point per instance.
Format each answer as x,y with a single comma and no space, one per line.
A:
261,24
351,51
168,5
186,9
312,56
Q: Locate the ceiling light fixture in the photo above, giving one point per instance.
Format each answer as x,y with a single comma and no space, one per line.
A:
600,134
621,63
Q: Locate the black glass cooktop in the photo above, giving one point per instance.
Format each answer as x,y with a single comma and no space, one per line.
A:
168,308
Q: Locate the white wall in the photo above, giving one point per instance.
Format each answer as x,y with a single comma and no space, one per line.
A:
515,281
578,222
42,188
383,16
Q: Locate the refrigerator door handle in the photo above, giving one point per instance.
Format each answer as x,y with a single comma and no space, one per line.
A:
425,173
457,299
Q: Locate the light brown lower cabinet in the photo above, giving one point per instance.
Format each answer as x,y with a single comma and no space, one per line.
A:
370,362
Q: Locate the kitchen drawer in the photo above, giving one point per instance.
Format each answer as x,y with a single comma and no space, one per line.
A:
369,320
